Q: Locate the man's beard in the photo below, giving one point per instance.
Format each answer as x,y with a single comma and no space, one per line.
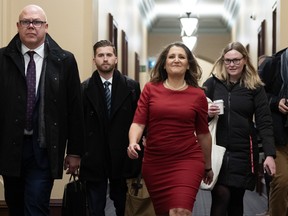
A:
106,69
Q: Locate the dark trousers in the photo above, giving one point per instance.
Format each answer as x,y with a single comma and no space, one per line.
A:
29,194
96,196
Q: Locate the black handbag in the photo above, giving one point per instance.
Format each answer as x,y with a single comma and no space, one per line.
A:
74,198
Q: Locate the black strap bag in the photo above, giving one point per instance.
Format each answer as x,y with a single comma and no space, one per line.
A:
74,198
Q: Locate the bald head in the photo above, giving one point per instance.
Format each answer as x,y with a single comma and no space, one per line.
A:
33,9
32,26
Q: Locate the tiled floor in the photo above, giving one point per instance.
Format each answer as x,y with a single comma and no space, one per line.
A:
253,204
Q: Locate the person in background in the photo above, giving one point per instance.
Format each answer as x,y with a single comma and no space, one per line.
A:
274,74
109,101
237,82
261,62
177,154
41,114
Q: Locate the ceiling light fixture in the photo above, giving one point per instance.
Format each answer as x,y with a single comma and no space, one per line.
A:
189,24
189,41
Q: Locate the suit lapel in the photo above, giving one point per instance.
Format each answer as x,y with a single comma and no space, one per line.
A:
119,92
95,95
19,62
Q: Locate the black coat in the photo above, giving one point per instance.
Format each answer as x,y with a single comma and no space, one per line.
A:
107,139
270,74
62,110
235,129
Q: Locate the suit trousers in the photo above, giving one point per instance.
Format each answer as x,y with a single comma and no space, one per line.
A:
29,194
96,196
278,201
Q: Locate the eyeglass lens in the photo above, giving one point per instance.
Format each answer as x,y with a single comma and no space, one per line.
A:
35,23
235,61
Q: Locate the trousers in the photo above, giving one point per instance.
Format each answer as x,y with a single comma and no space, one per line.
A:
96,196
278,201
28,194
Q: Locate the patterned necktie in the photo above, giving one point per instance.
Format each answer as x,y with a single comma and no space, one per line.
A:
31,87
107,95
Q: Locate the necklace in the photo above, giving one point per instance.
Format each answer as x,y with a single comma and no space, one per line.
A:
175,89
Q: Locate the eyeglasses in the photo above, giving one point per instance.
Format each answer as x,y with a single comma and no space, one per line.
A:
235,61
35,23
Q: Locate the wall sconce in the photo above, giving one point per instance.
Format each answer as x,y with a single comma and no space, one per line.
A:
189,24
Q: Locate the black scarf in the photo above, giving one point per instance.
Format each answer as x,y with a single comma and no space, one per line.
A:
41,120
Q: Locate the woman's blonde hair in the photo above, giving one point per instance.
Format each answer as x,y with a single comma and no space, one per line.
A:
249,77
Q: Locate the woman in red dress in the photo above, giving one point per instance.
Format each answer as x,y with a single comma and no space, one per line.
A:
173,109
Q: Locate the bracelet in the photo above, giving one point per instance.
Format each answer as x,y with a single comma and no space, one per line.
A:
208,170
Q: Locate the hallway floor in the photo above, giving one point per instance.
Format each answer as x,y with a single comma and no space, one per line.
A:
253,204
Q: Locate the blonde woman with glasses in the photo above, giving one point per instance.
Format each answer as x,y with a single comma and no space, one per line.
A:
235,81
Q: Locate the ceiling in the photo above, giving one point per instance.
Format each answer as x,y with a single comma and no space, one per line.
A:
214,15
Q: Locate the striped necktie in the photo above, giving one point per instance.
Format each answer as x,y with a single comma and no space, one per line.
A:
107,95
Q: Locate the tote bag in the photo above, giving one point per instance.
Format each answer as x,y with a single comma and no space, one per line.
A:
216,154
138,202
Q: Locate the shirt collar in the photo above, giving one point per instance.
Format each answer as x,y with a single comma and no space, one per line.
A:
103,80
39,50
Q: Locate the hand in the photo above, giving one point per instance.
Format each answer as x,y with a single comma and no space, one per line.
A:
213,110
269,166
144,141
283,108
208,177
72,164
132,150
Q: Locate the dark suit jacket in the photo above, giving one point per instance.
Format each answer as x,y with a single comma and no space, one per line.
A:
62,110
107,139
270,74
